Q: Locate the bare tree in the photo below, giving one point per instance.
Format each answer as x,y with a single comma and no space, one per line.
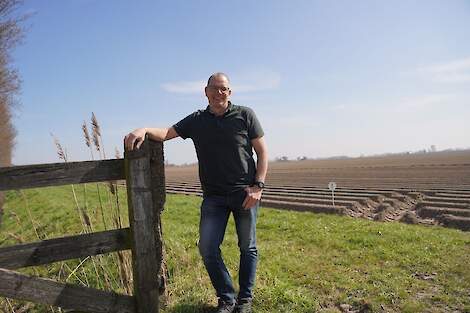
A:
10,34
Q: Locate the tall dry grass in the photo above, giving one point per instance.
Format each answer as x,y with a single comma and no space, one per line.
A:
112,272
107,215
109,201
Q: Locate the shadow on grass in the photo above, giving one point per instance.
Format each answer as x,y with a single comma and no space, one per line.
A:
191,308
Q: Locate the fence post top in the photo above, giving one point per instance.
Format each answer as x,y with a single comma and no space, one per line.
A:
145,149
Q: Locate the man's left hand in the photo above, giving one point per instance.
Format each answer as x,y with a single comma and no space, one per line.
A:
253,195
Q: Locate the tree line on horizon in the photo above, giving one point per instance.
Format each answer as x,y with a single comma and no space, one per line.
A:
10,34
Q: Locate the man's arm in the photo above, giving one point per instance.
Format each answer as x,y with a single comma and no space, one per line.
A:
262,155
137,137
253,194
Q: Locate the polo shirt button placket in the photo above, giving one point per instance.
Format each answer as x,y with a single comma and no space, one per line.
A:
219,122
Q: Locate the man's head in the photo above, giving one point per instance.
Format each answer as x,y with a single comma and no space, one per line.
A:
218,91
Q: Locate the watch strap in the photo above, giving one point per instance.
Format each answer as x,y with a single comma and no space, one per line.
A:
259,184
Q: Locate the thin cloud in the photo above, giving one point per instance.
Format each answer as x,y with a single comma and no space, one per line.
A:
339,107
442,102
426,100
456,71
246,83
257,81
184,87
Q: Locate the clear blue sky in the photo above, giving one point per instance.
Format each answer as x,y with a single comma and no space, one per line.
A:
324,77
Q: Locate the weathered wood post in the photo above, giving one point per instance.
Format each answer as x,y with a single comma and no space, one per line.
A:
145,178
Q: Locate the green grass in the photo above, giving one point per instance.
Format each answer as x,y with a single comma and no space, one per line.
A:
308,262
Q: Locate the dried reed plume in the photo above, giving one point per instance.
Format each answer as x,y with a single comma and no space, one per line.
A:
96,135
95,124
96,131
86,134
61,152
97,139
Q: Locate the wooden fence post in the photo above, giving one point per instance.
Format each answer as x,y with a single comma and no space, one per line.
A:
146,196
157,167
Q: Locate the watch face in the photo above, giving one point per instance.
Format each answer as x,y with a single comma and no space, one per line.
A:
260,184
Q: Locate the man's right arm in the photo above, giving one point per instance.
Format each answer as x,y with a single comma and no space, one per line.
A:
137,137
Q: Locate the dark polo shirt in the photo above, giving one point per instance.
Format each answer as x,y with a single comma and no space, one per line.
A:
223,147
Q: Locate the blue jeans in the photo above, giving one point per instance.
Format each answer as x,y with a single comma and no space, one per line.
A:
215,211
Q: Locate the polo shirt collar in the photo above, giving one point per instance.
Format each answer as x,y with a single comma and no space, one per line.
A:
229,109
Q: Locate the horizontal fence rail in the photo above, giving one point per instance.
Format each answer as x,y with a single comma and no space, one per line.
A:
60,249
46,291
56,174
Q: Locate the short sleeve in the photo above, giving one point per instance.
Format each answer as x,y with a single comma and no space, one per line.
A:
254,127
185,126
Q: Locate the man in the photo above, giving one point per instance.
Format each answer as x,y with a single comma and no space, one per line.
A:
224,135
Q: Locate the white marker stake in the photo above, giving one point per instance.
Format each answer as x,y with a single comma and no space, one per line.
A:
332,187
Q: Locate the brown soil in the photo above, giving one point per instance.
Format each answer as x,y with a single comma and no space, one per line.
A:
432,189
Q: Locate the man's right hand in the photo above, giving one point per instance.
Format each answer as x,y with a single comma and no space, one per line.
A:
135,139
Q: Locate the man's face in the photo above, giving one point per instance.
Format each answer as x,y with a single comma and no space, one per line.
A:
218,92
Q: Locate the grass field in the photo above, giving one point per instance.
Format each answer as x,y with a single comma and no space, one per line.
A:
308,262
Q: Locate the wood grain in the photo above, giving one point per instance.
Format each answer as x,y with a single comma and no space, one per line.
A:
65,248
145,180
22,287
55,174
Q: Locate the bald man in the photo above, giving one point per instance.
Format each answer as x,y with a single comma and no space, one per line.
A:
224,136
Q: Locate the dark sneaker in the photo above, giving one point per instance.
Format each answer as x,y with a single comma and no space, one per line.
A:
225,307
243,306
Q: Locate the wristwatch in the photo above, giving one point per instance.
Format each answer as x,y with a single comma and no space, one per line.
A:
259,184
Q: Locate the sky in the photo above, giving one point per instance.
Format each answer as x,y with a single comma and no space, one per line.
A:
325,78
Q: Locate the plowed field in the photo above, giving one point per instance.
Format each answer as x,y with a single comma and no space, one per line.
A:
432,188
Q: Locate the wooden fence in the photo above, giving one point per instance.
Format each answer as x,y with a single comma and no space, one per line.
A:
143,170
